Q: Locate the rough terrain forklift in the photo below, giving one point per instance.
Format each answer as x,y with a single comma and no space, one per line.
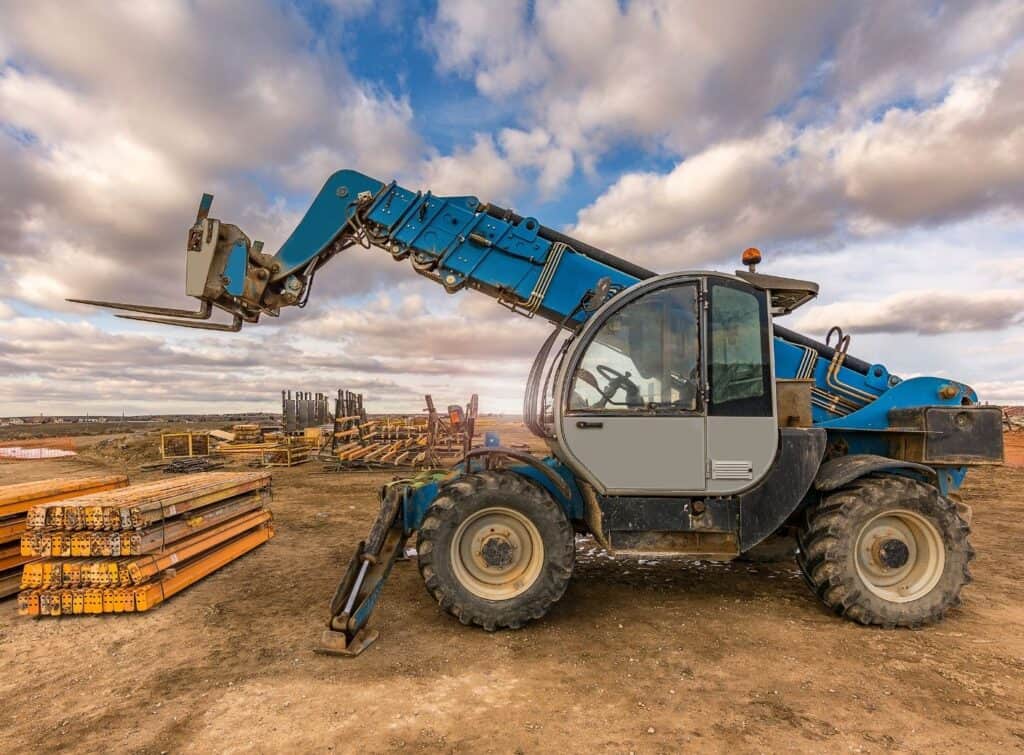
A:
681,420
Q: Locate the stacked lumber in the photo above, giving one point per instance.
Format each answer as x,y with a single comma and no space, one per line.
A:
277,451
382,453
247,433
245,450
130,549
15,503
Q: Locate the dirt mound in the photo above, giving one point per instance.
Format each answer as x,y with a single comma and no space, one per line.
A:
125,451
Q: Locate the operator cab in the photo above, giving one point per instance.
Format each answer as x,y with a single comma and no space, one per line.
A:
669,389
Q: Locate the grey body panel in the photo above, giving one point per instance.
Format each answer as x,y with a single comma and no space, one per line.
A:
660,455
714,526
637,454
751,440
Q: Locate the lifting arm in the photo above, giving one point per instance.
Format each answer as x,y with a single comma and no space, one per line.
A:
456,241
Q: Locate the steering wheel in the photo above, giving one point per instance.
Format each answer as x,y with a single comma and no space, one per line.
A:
617,380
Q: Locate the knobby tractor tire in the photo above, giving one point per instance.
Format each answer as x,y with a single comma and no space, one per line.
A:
502,516
851,555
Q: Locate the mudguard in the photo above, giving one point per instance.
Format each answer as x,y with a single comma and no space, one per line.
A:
838,472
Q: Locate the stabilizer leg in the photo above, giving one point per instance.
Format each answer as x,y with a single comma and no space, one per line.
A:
361,586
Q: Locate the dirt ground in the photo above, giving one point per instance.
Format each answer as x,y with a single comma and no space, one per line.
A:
639,656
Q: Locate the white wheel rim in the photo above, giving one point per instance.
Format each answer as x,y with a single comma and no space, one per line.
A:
900,556
497,553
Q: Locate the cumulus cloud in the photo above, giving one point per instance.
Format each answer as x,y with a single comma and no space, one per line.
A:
537,149
688,74
786,186
463,337
478,170
922,312
712,205
120,119
596,71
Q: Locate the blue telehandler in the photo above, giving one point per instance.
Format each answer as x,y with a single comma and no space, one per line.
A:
680,418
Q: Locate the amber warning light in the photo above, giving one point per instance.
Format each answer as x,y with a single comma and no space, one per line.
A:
751,257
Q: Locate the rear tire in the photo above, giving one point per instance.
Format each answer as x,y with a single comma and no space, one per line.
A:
495,550
886,550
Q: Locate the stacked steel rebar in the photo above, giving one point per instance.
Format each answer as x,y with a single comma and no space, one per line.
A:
129,549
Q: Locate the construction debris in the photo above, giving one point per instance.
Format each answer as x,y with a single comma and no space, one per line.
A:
15,503
128,550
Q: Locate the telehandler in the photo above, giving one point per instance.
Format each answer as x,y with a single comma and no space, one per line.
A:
680,418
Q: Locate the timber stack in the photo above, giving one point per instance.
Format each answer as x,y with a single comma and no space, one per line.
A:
15,503
128,550
249,442
247,433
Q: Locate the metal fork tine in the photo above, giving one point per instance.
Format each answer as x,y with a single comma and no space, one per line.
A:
203,313
232,327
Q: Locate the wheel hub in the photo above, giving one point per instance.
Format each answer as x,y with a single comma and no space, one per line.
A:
893,553
497,552
900,555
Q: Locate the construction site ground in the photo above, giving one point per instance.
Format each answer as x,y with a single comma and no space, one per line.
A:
639,656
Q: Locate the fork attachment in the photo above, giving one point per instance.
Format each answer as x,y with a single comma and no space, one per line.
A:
223,269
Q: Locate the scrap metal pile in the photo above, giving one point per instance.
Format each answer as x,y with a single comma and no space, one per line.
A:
129,549
402,442
15,503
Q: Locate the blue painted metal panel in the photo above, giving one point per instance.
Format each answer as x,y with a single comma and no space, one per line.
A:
329,212
235,269
420,495
919,391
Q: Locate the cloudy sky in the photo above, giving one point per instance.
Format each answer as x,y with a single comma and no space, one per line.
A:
877,148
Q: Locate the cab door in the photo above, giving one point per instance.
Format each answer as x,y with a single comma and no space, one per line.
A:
742,430
633,414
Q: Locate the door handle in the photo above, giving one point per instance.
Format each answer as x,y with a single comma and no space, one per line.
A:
583,425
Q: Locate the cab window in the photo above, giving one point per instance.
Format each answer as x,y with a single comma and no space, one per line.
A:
738,364
644,358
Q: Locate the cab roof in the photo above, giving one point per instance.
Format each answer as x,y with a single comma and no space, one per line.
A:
786,293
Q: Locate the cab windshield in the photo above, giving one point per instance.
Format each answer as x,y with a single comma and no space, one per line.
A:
644,357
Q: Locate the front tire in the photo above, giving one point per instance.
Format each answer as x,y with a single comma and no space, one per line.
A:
886,550
495,550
